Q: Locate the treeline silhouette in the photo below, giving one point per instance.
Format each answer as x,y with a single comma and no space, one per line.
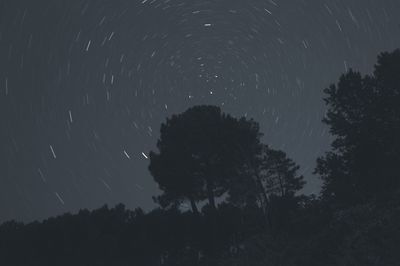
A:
228,199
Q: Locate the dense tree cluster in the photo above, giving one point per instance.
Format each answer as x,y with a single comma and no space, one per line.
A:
364,116
245,206
118,236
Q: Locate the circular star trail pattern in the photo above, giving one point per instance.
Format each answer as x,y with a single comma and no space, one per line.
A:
85,85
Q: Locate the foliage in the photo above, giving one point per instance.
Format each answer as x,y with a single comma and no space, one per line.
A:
200,150
364,116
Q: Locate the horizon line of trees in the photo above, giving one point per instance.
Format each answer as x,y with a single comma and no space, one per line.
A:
252,212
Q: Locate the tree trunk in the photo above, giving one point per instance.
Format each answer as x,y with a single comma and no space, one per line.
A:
194,206
265,203
281,186
211,199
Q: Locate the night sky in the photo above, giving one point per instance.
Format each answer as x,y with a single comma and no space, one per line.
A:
85,85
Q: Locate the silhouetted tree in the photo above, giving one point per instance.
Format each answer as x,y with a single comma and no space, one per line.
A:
269,180
364,116
200,152
280,174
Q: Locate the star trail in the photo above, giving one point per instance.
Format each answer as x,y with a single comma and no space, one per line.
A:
85,85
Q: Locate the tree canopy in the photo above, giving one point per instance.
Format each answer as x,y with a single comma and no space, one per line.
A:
200,152
363,115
